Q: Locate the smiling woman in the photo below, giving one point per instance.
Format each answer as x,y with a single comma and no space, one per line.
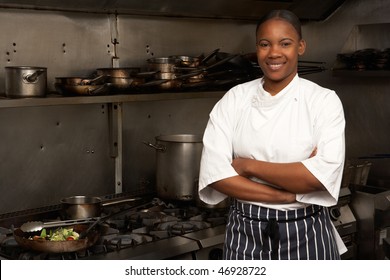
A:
278,50
276,146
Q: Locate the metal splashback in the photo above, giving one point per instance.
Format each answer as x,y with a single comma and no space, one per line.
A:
224,9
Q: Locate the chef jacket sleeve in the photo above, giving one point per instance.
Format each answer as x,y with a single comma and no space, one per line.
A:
217,149
327,166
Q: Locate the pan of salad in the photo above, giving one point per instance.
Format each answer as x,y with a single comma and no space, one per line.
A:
57,240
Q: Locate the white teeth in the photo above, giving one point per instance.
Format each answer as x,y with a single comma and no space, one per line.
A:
275,66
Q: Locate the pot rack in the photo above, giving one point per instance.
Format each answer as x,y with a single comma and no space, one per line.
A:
114,104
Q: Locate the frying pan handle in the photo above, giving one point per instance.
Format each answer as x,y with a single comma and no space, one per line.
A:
120,201
98,90
222,61
209,56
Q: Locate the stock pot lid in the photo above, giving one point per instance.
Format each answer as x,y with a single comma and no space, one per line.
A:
180,138
26,67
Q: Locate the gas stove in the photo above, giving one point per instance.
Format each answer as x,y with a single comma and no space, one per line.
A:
149,231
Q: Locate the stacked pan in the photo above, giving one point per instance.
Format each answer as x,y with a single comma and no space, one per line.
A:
177,71
124,79
72,86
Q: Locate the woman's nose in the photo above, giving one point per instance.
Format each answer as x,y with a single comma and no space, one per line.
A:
274,51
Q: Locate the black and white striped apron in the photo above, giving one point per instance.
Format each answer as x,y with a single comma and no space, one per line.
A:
260,233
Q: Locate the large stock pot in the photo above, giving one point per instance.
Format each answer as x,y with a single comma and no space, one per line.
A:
178,161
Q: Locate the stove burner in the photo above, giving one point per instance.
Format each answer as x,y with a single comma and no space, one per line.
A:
150,230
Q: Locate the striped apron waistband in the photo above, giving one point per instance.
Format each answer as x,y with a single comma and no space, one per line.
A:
266,214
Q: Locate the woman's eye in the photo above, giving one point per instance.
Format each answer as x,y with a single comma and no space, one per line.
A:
285,44
263,45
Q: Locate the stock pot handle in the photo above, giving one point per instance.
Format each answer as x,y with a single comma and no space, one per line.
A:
159,148
32,78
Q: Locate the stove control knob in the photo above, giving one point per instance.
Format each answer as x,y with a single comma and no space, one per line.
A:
334,213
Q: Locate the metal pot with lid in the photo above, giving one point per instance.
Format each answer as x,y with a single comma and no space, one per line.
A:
25,81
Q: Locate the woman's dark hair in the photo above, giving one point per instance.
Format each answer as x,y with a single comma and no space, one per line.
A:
286,15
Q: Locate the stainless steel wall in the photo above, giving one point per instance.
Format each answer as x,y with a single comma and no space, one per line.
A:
46,151
51,152
366,99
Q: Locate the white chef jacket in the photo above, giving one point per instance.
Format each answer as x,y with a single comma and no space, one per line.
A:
248,122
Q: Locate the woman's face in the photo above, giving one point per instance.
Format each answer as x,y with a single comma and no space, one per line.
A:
278,47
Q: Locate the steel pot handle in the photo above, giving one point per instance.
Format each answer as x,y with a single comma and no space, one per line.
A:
32,78
159,148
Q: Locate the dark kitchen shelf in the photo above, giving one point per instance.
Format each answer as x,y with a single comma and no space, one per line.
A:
53,99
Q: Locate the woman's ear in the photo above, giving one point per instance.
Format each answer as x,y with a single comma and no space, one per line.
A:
301,47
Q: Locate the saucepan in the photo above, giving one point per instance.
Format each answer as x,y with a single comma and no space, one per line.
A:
163,64
82,207
25,81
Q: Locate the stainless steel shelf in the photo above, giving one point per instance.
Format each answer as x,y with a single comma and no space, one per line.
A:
53,100
365,73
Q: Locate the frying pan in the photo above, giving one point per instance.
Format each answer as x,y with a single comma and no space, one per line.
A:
22,238
74,81
73,90
89,234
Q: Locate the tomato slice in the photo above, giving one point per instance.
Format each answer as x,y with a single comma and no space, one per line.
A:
69,238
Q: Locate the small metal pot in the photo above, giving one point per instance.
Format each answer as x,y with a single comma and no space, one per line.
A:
163,64
187,61
82,207
25,81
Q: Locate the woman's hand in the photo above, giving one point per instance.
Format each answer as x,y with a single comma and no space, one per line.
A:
240,165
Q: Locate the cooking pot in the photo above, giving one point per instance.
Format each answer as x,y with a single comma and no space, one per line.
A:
163,64
177,170
25,81
187,61
82,207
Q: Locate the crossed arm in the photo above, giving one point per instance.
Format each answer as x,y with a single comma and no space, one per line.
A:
292,178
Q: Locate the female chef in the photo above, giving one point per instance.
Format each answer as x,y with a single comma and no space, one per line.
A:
276,146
